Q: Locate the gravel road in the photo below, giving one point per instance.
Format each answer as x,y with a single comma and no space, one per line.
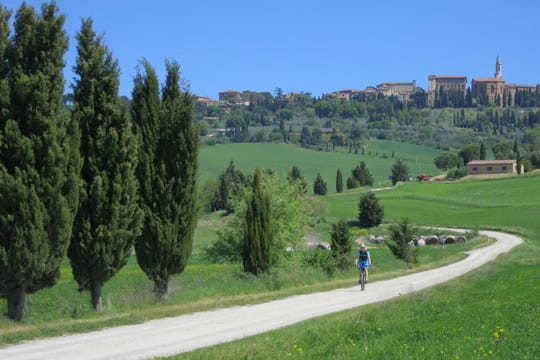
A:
189,332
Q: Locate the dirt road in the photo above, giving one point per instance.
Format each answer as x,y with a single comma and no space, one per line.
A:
188,332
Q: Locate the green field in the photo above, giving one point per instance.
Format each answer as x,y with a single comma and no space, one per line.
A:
490,313
282,157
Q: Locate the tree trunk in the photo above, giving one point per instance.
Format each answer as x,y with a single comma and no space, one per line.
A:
96,296
16,299
161,289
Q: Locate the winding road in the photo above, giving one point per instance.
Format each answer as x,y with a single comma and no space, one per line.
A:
193,331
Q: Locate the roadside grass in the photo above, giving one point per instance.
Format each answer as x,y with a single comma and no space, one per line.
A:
489,313
128,297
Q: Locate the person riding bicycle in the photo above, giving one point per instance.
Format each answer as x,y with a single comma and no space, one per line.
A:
363,260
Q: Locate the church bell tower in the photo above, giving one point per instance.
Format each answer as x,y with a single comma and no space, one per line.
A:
498,68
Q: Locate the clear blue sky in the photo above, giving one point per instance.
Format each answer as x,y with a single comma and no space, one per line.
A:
312,46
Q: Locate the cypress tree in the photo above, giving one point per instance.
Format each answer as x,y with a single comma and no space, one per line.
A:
482,151
108,218
39,159
319,185
257,240
339,182
167,173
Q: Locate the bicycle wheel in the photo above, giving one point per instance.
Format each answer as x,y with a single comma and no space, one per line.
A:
363,280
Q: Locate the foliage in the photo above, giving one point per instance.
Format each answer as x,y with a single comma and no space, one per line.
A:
400,172
469,152
340,244
319,185
39,158
228,247
445,161
168,179
362,175
456,173
231,184
289,215
339,182
296,176
401,242
257,236
370,212
352,183
108,218
503,150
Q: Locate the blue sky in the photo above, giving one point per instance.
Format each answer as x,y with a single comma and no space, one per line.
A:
312,46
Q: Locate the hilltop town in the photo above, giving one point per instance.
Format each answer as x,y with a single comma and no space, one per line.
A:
443,91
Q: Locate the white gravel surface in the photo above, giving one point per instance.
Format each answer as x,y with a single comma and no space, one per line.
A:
189,332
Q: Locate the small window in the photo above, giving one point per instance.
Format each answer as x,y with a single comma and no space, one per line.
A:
504,168
475,169
489,168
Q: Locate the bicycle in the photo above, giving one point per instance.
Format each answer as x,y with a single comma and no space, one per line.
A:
363,278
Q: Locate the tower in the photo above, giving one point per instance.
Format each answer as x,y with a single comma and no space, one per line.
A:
498,68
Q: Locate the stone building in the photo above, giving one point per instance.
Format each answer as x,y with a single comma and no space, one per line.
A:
445,83
402,90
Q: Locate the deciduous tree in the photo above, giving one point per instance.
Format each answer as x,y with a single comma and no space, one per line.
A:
370,212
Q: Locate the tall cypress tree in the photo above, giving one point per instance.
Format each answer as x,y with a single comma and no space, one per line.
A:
257,242
39,161
339,182
167,173
108,218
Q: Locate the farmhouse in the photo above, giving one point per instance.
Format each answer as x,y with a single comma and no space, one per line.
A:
476,167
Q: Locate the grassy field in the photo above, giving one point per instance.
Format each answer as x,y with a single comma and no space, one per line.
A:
490,313
282,157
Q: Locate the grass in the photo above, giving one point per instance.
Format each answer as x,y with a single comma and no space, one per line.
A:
282,157
500,296
489,313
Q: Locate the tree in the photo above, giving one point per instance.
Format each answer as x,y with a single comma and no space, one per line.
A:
503,150
482,151
362,175
400,172
400,242
231,184
167,174
469,152
339,182
257,239
370,212
39,157
341,244
108,217
296,176
319,185
445,161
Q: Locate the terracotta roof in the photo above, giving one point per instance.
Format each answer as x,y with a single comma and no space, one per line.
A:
494,162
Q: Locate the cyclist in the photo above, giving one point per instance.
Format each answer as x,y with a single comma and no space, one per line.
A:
363,260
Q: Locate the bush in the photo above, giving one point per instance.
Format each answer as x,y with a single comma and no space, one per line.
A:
228,248
341,244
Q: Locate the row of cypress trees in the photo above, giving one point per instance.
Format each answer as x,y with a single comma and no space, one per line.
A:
90,183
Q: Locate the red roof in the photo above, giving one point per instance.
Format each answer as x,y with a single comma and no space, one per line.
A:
492,162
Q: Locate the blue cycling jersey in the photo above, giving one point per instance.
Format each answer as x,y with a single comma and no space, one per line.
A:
363,260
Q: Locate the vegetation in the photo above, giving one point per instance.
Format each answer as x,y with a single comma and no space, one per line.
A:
319,185
341,244
108,217
401,243
39,159
168,179
370,212
257,238
400,172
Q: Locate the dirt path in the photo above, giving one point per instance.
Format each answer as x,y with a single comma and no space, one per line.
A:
189,332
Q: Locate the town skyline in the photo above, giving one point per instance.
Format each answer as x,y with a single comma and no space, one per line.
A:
310,47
